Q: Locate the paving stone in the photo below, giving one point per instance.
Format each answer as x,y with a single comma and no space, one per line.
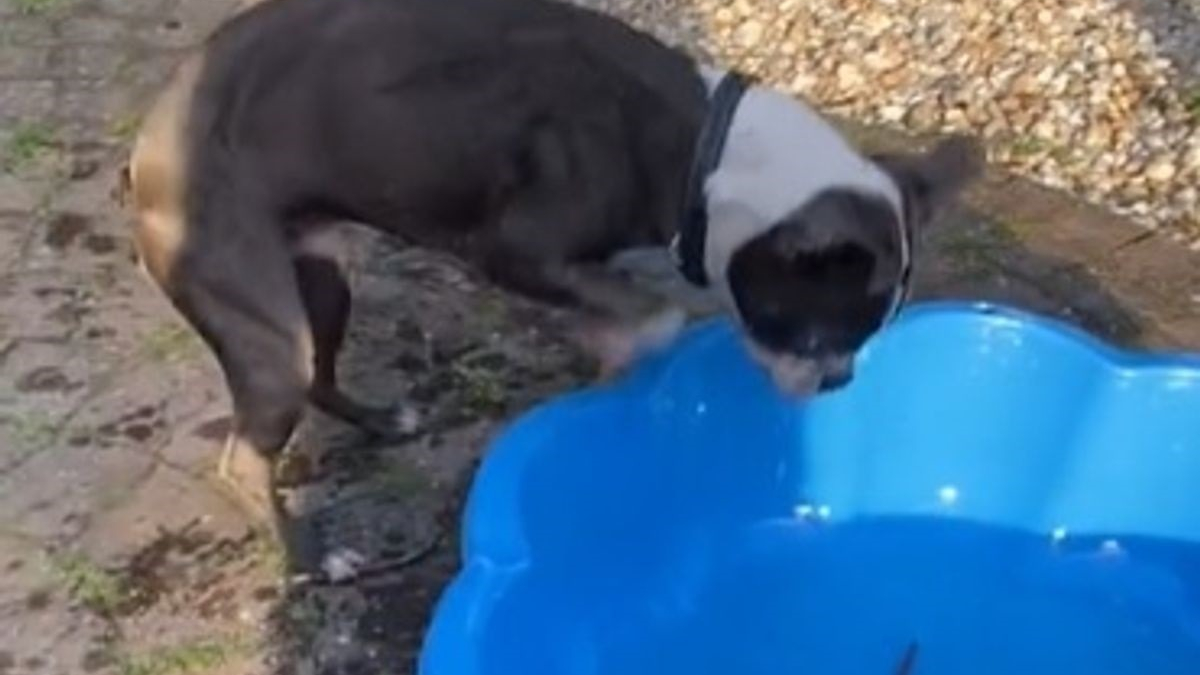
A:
169,502
25,100
93,30
58,491
24,30
53,638
87,61
17,196
18,61
139,8
168,34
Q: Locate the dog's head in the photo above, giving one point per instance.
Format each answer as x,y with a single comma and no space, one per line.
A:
813,286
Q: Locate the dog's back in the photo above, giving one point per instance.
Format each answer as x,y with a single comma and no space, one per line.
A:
416,115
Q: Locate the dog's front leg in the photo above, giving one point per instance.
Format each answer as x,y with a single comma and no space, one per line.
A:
622,320
534,250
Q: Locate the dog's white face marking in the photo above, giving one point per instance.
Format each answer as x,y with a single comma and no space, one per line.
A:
779,154
798,376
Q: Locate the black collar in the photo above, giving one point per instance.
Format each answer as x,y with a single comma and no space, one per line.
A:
688,245
903,290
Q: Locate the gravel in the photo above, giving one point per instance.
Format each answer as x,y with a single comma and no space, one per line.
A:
1096,97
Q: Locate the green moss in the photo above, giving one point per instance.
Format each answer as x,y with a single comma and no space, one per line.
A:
88,583
198,656
171,343
38,7
27,144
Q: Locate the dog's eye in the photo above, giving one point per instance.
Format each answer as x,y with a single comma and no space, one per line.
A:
846,256
846,263
770,326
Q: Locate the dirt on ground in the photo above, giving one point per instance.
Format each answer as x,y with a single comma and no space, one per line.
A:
119,553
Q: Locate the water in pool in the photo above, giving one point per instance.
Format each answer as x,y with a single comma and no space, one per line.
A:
924,596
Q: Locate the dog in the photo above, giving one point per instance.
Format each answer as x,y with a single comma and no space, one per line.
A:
534,139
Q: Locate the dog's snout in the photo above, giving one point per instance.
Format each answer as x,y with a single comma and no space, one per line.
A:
837,379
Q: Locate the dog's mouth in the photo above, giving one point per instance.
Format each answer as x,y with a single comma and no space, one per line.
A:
805,376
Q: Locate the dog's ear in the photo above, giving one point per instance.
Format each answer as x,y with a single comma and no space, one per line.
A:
839,236
932,181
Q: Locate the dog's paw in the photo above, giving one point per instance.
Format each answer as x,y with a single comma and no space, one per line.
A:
246,474
397,422
616,347
659,330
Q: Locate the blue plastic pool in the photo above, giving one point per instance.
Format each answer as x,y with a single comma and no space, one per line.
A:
995,494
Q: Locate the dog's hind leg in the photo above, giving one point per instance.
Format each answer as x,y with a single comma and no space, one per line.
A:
326,297
245,302
227,269
239,292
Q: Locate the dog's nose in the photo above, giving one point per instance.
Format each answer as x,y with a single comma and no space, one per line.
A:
836,380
